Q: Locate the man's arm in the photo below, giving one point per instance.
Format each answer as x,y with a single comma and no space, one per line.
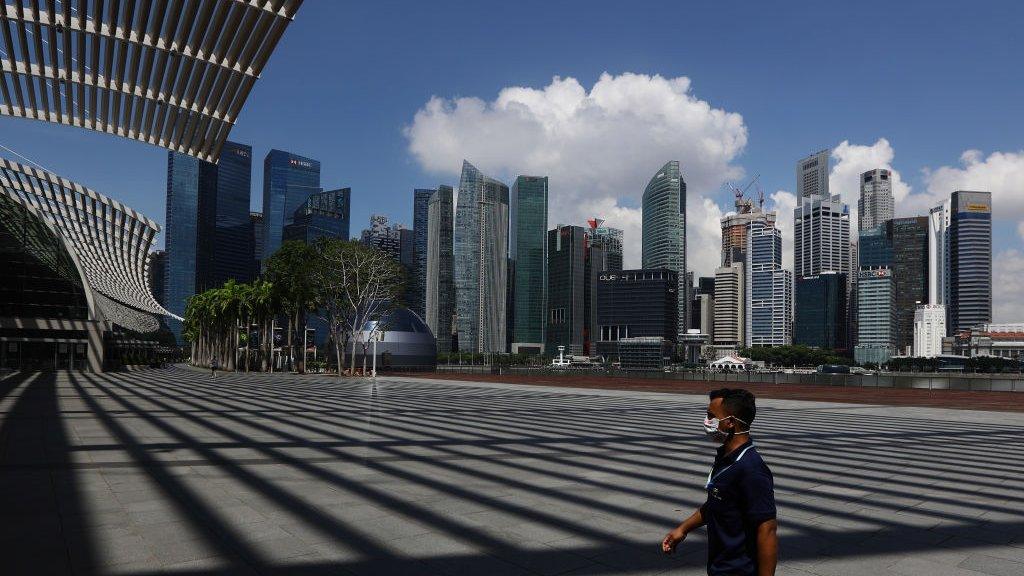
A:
673,538
767,547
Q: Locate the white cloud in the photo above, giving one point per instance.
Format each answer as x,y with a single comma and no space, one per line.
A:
852,160
599,147
1008,277
1001,173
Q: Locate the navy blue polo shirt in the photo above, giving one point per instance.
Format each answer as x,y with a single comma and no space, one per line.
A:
741,496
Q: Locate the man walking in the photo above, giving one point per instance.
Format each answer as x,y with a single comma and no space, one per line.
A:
740,507
214,365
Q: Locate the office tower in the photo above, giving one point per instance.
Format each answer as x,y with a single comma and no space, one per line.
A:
909,275
384,237
481,261
420,228
528,229
256,241
970,260
207,225
702,315
820,311
440,282
938,254
769,288
875,247
706,285
730,321
636,303
663,242
821,236
608,238
288,180
595,262
929,330
875,205
322,215
735,226
566,318
156,267
812,175
875,317
407,249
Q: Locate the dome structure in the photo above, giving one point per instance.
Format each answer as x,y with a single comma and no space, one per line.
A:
403,341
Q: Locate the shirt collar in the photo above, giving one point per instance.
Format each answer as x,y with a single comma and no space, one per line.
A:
726,459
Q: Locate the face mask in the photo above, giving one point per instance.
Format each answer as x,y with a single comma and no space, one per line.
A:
719,436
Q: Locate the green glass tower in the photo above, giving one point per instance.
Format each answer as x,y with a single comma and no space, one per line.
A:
664,230
528,255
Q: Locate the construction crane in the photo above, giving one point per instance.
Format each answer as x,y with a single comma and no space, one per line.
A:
739,193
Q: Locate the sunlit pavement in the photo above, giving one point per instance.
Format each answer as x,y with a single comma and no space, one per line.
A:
174,471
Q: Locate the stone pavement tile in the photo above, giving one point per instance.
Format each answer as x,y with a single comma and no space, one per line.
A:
178,550
913,566
967,544
992,565
545,560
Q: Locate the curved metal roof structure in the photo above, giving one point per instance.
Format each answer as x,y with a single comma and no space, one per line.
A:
174,73
109,241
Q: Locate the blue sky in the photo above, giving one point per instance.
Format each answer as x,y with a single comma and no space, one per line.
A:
932,78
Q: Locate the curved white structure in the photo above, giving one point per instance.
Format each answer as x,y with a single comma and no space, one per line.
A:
174,73
109,241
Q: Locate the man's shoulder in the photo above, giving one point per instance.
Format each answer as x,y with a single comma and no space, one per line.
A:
753,461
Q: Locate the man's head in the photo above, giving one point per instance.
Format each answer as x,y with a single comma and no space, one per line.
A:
734,408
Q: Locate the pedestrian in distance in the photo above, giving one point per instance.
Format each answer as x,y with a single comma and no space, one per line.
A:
213,367
740,507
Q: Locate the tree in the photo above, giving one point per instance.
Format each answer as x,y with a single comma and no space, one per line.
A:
291,270
358,286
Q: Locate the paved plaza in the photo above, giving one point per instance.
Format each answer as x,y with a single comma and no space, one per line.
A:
171,471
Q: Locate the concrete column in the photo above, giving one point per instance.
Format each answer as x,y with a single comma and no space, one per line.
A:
96,352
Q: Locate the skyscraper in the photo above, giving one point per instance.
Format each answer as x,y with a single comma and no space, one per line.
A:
288,180
322,215
420,227
608,238
730,319
208,225
970,260
769,288
256,241
909,275
528,253
440,282
875,315
636,304
812,175
735,226
929,330
481,261
938,254
821,236
567,311
663,242
382,236
820,311
875,205
157,270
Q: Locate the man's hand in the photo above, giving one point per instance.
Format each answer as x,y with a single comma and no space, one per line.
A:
672,539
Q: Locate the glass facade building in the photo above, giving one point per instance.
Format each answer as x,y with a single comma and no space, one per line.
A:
769,288
288,180
820,311
567,311
181,239
663,242
440,281
528,229
970,260
421,233
634,304
610,239
875,317
323,215
909,274
481,261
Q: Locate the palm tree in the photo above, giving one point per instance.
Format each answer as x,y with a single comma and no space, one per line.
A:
291,269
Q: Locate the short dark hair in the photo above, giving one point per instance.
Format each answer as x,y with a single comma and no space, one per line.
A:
737,402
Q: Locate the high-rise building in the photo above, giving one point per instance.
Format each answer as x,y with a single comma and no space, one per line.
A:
610,239
567,310
383,236
207,225
812,175
288,180
730,308
735,226
929,330
663,242
528,230
481,261
256,241
821,236
875,317
970,260
702,315
909,275
875,205
156,267
706,285
322,215
635,304
420,227
820,311
938,254
769,288
440,281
